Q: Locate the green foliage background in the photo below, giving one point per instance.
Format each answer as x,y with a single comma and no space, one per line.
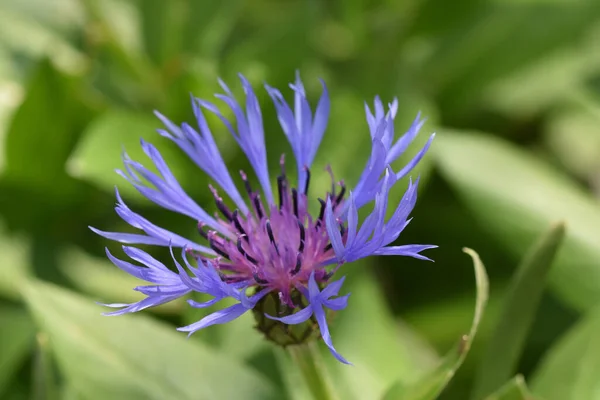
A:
510,86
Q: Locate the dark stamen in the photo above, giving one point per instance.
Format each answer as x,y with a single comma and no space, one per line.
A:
302,236
298,264
321,212
201,230
238,225
259,280
246,183
328,168
295,201
282,164
243,252
224,209
307,179
258,206
271,237
281,188
213,245
220,204
342,230
341,195
328,247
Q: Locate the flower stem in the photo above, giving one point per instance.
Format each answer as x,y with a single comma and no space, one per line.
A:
308,360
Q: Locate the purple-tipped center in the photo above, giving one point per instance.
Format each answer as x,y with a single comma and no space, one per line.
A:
278,247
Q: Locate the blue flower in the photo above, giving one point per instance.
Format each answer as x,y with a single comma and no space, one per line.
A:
268,245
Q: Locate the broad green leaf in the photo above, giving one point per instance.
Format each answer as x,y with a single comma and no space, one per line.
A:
518,312
33,29
16,340
515,389
134,357
44,379
571,368
433,383
483,49
516,197
387,351
14,265
45,128
99,278
99,152
573,137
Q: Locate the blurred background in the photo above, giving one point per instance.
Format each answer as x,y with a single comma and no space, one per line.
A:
510,86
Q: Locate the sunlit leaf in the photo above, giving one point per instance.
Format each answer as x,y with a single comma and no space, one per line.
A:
518,312
515,389
433,383
44,379
386,352
134,357
571,368
516,197
16,340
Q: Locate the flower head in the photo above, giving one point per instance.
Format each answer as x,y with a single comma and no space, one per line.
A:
265,249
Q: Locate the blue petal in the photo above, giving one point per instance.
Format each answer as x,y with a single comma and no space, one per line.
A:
337,304
205,304
410,250
324,328
297,318
413,163
333,288
219,317
333,231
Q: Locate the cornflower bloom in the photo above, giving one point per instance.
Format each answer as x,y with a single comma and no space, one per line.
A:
268,252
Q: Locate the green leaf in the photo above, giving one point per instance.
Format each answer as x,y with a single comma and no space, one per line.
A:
571,368
518,312
515,197
573,137
499,39
431,385
387,351
44,379
16,339
99,151
134,357
515,389
162,23
14,266
45,128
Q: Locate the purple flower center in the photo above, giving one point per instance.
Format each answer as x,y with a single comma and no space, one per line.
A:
275,247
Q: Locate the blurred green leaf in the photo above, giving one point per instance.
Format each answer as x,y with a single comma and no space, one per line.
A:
16,340
44,379
99,151
386,352
431,385
101,279
518,312
45,128
162,22
134,357
33,29
515,389
516,197
501,38
571,368
14,265
573,137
